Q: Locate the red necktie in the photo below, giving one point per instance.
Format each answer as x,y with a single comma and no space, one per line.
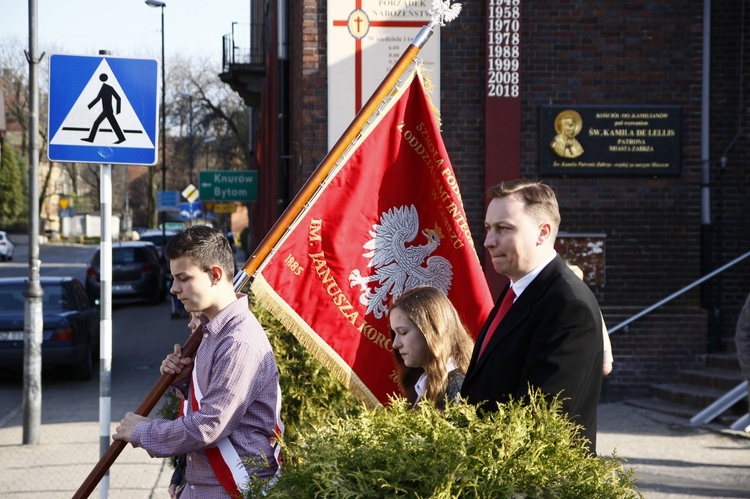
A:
504,306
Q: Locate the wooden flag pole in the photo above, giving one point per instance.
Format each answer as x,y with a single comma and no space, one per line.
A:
148,404
321,172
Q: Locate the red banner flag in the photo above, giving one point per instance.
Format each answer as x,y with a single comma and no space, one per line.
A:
388,218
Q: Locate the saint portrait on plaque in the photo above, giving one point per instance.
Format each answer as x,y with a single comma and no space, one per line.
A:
568,124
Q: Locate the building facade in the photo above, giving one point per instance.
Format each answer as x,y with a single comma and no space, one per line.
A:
658,230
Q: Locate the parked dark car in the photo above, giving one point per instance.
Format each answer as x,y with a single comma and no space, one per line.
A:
137,273
70,331
159,238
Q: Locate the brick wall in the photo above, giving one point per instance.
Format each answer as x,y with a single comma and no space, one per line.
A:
649,352
730,185
611,53
462,108
309,88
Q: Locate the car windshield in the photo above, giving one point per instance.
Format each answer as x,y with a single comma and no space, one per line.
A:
11,297
127,255
157,239
54,299
123,256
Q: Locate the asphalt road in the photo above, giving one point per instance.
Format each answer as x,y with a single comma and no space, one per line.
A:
142,335
57,259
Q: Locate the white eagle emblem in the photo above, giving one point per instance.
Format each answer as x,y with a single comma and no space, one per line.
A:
399,267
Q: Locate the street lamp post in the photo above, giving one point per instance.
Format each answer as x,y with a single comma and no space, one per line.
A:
208,141
157,3
191,160
33,293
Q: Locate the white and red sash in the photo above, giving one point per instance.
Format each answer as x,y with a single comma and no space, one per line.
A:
223,458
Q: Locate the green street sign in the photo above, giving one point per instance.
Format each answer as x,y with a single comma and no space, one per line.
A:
228,185
174,226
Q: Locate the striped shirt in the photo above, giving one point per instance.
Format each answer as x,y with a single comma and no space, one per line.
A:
238,377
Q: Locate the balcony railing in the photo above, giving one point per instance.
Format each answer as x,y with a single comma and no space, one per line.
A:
244,45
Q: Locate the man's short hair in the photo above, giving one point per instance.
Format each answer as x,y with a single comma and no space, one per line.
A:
539,199
206,246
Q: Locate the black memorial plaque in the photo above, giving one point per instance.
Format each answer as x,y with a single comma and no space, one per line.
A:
610,140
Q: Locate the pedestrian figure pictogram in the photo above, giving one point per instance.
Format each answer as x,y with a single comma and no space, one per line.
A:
106,94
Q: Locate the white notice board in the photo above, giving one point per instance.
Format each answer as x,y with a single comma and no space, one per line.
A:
365,39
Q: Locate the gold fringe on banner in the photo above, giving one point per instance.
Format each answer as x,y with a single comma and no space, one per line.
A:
426,76
313,343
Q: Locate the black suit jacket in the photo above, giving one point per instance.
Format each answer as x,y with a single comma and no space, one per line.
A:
551,338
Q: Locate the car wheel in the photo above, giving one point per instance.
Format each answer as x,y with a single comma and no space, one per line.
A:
83,370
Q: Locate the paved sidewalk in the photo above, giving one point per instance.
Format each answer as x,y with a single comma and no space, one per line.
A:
66,454
672,460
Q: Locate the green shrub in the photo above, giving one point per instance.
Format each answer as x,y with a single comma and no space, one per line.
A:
310,395
170,406
11,187
522,450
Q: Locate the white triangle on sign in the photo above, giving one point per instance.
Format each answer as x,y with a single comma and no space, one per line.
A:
99,93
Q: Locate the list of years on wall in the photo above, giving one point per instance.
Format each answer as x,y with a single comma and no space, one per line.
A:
504,48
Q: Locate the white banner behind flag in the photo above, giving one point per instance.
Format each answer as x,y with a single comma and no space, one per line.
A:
365,39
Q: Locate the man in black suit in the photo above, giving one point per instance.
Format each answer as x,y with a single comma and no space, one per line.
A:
551,336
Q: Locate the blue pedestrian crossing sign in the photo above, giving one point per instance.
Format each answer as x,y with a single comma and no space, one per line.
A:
103,110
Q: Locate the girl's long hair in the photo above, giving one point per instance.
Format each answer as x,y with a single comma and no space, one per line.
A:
446,336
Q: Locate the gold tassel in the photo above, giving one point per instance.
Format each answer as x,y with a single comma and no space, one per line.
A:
426,76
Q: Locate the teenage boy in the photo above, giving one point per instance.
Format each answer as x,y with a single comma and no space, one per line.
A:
232,419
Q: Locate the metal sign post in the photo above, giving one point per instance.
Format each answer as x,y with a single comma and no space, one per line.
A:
33,313
103,110
105,311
